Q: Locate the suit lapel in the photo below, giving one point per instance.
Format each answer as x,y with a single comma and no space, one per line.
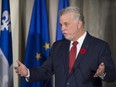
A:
83,52
81,56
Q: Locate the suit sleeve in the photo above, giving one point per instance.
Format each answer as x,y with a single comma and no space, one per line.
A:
44,72
109,65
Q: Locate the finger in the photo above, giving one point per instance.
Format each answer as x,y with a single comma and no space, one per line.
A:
100,70
102,67
96,74
21,72
16,71
15,67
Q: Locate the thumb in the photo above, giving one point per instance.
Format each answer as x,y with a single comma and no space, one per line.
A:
102,64
19,63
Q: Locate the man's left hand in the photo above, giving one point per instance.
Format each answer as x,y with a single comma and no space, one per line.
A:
100,71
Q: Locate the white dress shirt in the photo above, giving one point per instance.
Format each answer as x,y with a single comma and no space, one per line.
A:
80,42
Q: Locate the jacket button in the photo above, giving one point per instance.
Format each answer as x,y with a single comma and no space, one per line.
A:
67,83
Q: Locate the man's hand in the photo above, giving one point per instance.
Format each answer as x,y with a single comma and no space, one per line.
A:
21,69
100,71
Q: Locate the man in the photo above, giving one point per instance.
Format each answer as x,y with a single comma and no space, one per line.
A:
92,58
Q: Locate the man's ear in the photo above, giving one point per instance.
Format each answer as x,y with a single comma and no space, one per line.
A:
80,24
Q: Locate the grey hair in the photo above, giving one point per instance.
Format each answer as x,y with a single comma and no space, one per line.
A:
75,10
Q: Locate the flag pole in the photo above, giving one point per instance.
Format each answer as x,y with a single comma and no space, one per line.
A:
15,36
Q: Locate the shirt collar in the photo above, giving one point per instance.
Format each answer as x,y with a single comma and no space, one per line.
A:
81,39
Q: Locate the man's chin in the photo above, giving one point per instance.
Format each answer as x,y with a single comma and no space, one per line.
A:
68,38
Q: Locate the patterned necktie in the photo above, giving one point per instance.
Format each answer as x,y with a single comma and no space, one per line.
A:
72,55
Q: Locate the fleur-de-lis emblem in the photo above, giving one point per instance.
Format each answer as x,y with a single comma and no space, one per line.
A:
5,22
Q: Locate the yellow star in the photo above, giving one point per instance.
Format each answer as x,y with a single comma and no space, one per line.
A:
38,56
46,46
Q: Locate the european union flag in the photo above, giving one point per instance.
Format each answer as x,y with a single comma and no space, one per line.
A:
38,43
62,4
6,72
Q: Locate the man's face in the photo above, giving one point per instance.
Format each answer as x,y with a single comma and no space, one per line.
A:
70,26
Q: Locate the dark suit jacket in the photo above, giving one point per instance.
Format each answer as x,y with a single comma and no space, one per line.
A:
93,52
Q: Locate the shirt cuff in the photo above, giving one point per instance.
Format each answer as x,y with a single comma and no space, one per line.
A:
102,76
27,76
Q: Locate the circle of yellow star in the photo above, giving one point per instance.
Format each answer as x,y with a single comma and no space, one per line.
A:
38,56
46,46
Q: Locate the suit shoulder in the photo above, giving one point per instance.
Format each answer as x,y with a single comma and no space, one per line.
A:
98,41
60,42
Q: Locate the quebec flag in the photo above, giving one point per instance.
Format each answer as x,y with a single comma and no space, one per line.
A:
62,4
38,42
6,69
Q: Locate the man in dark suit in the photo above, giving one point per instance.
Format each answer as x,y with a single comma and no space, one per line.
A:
92,58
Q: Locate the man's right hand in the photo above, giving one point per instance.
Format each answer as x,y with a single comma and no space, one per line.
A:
21,69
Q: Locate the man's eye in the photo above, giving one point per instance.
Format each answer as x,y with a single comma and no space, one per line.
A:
66,24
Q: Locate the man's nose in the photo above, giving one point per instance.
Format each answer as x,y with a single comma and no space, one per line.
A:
63,27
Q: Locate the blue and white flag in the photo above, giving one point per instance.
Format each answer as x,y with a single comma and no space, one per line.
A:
62,4
6,69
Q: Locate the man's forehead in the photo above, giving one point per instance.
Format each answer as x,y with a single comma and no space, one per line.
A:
68,14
